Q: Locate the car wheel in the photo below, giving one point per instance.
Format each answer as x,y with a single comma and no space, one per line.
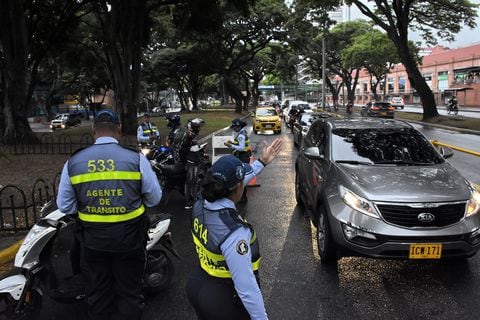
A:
325,244
298,193
255,131
402,107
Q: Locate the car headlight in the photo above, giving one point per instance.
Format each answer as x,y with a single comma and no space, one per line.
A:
473,205
358,203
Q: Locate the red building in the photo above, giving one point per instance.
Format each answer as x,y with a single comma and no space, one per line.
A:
446,71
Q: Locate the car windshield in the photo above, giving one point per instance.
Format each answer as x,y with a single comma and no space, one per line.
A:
266,112
306,119
383,146
305,106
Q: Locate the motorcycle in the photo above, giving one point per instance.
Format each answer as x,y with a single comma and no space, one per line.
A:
48,262
349,109
452,107
172,176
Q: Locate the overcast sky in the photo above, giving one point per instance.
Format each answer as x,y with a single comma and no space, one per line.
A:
465,37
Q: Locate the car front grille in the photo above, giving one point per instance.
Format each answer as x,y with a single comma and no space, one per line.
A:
408,216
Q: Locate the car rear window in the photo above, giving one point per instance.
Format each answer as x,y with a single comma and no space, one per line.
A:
266,112
383,145
382,104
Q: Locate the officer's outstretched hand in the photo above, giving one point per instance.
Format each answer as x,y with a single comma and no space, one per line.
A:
269,152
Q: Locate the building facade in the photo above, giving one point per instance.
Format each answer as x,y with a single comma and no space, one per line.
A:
447,71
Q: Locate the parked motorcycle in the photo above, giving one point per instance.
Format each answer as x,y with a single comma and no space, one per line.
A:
452,107
48,263
174,176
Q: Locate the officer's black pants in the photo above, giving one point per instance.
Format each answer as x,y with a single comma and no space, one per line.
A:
214,299
114,283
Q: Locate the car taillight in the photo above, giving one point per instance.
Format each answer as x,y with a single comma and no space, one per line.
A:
391,108
375,108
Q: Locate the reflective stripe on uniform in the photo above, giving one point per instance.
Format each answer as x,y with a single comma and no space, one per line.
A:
108,175
89,217
208,260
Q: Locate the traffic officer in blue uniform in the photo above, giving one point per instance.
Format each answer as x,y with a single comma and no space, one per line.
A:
107,186
147,131
241,146
225,285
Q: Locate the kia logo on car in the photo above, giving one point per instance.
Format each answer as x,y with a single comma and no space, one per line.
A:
425,217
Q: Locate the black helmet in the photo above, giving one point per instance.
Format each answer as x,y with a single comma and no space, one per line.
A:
173,120
195,124
238,123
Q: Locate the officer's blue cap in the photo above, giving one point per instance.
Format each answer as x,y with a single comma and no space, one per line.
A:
230,170
107,115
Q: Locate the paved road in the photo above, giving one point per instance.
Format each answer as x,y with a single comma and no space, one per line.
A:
294,284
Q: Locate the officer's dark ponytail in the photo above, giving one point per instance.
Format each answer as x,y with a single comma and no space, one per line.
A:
244,124
214,189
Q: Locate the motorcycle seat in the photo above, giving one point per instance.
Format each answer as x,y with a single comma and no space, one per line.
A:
171,170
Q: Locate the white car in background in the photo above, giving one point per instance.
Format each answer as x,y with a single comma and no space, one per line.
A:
397,102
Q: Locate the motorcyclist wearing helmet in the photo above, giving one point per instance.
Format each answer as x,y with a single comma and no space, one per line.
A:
184,139
174,123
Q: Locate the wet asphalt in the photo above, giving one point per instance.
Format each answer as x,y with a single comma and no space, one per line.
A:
295,285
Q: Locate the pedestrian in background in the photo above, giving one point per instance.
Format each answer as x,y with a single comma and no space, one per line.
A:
241,146
108,186
225,285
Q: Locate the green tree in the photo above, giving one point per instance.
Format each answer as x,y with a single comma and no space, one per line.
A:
434,19
29,30
375,52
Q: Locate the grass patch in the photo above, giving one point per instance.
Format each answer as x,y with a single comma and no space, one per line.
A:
214,120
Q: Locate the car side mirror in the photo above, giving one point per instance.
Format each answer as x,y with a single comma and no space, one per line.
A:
313,153
446,152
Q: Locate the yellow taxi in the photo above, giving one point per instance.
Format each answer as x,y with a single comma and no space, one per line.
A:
266,119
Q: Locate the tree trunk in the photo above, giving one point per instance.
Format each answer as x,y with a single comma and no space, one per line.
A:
416,79
124,39
14,126
235,93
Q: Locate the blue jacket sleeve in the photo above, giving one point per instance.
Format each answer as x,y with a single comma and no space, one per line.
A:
240,265
152,193
66,200
241,143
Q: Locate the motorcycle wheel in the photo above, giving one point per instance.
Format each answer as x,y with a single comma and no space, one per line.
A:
449,110
455,111
159,272
32,305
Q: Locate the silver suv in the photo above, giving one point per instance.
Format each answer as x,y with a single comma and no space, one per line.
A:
378,188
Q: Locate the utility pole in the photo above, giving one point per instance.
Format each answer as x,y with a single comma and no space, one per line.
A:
323,70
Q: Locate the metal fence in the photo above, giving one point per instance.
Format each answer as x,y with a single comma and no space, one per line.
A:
18,210
59,144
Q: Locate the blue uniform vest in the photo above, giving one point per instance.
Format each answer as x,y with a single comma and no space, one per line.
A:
147,132
107,183
209,231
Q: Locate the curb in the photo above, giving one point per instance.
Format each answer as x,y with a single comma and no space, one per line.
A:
9,253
